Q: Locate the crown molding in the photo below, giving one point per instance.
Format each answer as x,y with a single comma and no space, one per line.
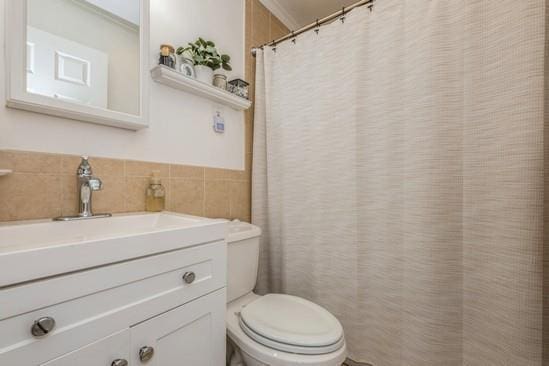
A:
281,13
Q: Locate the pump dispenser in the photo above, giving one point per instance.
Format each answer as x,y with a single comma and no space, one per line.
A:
156,194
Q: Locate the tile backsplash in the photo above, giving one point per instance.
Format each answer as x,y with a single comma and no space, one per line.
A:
43,185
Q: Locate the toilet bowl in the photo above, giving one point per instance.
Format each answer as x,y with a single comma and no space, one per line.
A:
274,329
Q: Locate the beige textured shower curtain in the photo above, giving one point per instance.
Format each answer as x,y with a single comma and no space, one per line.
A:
398,176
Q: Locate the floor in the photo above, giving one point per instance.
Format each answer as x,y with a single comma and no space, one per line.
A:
349,362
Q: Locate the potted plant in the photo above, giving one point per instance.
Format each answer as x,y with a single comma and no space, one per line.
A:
206,59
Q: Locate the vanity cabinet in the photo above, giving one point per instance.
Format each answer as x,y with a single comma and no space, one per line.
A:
164,309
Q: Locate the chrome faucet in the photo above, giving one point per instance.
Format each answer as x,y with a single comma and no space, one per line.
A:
86,185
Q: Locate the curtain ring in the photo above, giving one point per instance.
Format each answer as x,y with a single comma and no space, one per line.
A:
342,18
317,29
274,45
293,37
371,6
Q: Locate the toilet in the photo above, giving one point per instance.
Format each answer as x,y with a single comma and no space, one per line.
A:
274,329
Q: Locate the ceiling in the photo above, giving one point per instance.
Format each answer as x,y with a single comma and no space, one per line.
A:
298,13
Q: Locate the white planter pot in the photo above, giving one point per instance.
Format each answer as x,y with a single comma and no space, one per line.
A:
204,74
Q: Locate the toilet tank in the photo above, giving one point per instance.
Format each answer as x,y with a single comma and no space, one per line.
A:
242,258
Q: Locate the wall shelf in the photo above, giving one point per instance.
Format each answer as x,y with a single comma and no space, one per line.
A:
167,76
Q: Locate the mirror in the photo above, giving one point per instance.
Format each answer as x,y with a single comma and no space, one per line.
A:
81,59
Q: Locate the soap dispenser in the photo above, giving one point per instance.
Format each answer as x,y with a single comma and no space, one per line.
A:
156,194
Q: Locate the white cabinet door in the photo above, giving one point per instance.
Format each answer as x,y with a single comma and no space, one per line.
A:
101,353
192,334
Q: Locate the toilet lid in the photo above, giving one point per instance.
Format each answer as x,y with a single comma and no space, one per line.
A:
291,323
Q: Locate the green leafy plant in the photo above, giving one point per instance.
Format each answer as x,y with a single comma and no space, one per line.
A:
205,53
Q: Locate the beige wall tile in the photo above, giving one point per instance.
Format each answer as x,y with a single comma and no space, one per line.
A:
33,162
44,195
249,162
186,171
261,18
36,195
6,160
248,40
145,169
249,131
187,196
249,61
69,195
70,163
8,201
239,200
278,29
135,193
250,78
102,167
224,174
216,203
111,199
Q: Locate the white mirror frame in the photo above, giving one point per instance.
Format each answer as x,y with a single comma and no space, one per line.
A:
18,97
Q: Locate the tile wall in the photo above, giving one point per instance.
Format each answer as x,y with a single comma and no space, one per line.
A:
44,185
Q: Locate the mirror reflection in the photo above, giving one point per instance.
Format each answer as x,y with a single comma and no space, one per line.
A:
85,52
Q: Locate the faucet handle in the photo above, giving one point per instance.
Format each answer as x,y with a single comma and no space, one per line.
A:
95,184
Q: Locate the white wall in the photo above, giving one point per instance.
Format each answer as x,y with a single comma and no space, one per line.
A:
180,124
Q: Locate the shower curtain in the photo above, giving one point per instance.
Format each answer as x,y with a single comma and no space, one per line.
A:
398,177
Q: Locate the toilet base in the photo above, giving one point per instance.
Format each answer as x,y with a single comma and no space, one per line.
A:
237,357
241,358
250,361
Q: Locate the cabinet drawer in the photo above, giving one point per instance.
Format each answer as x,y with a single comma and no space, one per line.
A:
93,304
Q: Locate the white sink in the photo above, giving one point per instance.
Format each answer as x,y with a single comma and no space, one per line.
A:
37,249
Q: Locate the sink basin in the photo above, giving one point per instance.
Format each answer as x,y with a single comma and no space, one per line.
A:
37,249
21,236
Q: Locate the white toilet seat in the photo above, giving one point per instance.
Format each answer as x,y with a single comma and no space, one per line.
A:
291,324
291,348
270,356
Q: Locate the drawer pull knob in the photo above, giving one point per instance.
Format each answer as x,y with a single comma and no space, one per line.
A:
189,277
119,362
146,353
43,326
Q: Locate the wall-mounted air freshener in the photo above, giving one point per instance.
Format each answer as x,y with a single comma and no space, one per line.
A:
218,122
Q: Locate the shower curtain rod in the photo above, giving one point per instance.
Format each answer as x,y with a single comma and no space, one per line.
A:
315,25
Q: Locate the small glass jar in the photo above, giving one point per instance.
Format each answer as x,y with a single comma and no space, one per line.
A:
239,87
220,81
167,56
186,67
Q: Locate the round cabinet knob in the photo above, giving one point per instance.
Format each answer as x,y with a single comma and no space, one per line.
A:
43,326
119,362
189,277
146,353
